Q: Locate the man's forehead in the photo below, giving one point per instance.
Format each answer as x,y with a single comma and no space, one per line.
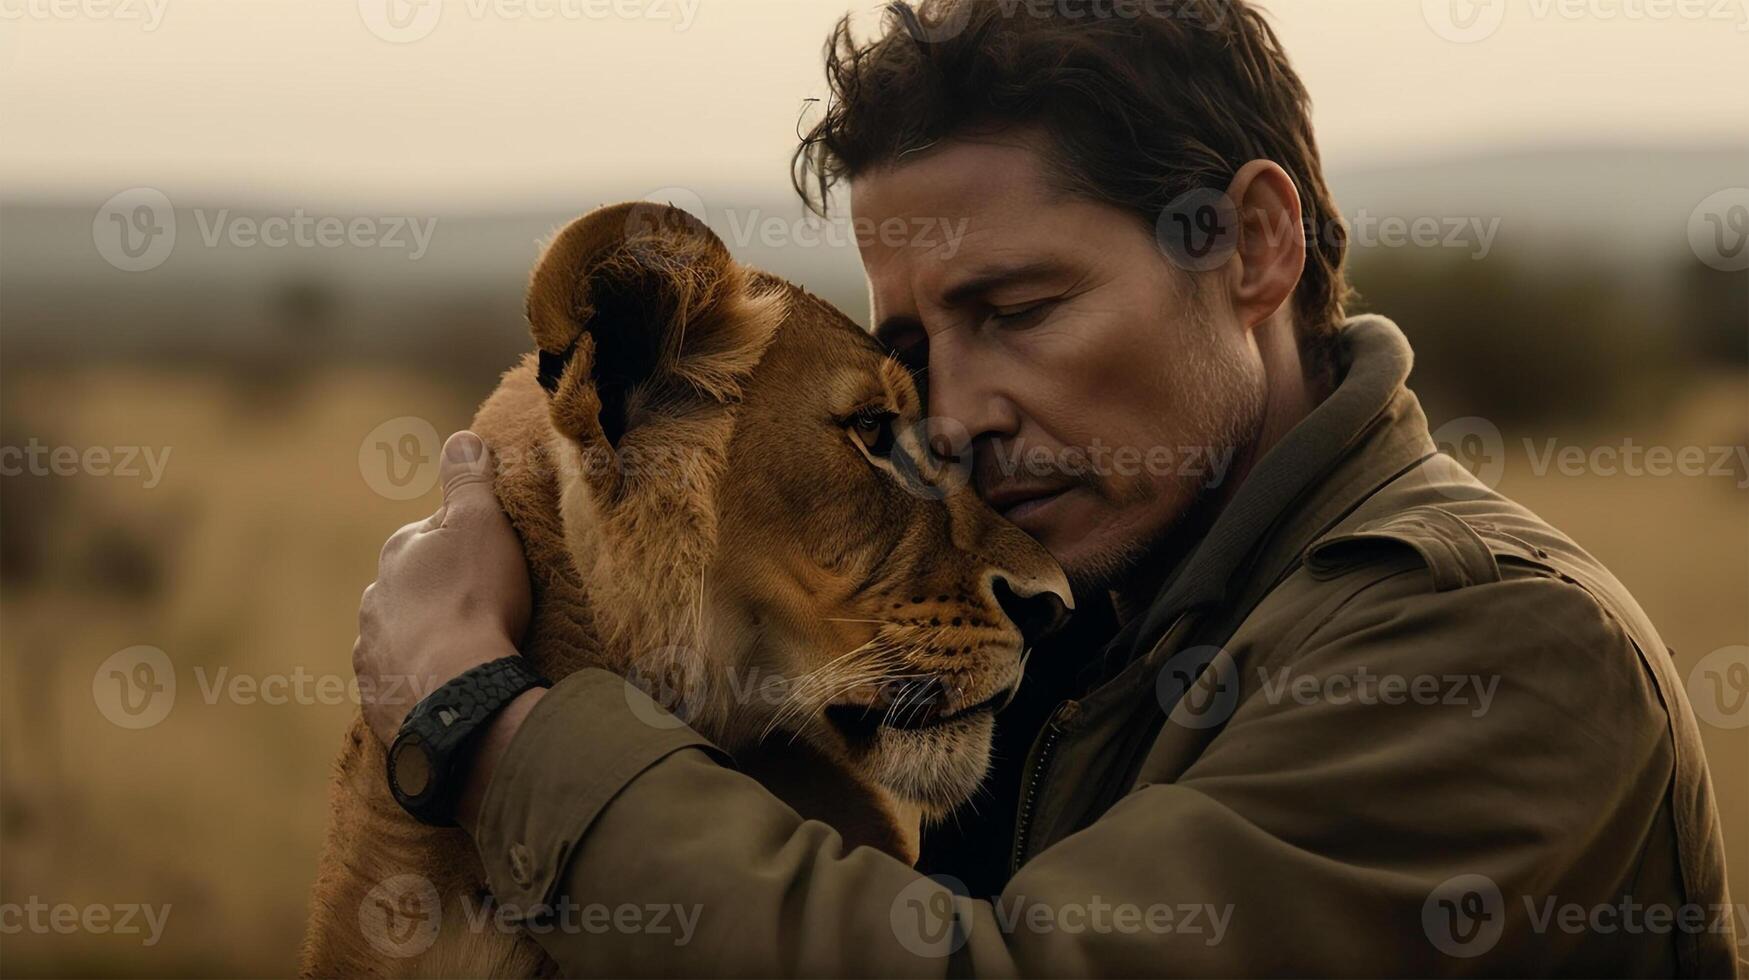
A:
963,176
957,215
943,258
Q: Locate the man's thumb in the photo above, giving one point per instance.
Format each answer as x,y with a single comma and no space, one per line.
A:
466,472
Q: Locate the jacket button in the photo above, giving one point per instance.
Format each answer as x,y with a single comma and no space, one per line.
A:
521,864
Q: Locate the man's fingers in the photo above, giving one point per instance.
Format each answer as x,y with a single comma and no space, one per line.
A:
466,475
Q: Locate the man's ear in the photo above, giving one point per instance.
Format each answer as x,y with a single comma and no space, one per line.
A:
1271,242
640,314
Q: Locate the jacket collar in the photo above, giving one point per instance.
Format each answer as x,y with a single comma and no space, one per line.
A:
1368,431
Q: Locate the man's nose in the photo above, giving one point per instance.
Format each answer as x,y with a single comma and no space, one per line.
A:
965,407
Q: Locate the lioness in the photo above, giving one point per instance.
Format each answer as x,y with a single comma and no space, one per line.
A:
722,490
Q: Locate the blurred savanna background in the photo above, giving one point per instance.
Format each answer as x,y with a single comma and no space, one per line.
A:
256,258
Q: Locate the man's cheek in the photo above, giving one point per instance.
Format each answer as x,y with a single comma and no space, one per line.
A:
1124,480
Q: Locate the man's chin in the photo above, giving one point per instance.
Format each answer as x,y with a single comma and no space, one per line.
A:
1098,553
1123,548
1094,575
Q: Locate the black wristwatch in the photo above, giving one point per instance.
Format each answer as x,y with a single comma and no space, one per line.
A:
423,755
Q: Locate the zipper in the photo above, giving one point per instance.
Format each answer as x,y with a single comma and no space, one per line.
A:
1044,748
1037,769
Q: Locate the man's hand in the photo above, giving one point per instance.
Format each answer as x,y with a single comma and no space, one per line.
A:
451,593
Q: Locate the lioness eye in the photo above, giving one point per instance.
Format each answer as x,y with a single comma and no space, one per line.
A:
874,429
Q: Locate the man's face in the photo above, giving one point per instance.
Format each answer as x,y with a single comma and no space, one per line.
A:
1101,393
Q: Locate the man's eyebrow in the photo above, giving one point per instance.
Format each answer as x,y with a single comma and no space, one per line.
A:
979,282
990,277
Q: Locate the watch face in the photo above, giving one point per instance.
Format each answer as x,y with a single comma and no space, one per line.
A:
412,767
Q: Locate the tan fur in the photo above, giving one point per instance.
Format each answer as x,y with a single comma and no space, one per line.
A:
732,534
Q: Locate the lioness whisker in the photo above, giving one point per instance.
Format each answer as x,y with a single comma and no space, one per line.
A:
803,700
820,686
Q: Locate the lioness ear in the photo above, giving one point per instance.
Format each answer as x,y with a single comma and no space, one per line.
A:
640,314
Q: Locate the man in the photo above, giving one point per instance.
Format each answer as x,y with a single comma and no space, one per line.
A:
1353,712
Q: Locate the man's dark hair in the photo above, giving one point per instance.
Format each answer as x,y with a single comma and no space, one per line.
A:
1141,101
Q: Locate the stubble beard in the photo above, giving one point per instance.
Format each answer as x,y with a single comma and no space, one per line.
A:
1230,417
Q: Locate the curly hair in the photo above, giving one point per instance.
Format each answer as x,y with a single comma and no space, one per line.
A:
1140,101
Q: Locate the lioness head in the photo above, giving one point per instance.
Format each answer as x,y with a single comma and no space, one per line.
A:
763,532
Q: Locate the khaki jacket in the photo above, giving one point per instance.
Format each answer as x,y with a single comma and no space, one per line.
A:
1383,721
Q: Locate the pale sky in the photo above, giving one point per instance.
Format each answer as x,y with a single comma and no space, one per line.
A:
491,104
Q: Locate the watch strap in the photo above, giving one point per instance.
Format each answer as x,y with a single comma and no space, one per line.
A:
440,725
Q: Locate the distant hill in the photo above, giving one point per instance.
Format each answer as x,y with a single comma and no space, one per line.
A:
1616,211
1623,204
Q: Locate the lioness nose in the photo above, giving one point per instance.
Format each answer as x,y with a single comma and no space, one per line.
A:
1035,614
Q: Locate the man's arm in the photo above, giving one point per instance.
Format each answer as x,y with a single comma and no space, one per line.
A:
1308,837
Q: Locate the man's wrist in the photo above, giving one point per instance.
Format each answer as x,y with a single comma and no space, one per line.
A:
470,763
480,758
457,653
447,659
